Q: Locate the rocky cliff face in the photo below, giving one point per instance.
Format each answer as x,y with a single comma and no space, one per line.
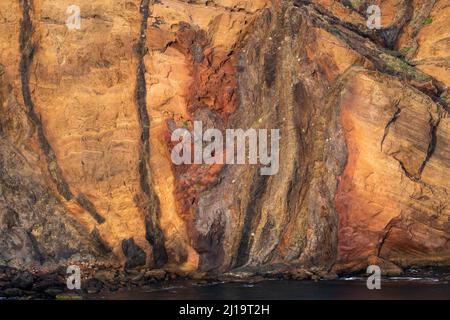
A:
87,115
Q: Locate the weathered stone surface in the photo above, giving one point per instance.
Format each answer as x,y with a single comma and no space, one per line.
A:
387,206
86,118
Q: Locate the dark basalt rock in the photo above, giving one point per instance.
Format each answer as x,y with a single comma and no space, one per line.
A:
134,254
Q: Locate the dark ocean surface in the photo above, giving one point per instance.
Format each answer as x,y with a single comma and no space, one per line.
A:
342,289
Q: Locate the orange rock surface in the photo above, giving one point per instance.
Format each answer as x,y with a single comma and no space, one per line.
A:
87,116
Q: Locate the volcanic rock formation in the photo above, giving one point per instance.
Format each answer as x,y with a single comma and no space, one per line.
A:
87,114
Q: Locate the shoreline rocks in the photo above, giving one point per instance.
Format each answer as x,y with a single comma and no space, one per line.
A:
17,284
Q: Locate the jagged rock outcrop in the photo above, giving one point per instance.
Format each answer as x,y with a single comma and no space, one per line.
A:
87,116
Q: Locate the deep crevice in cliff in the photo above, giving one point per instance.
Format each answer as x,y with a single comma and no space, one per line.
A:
28,49
391,121
432,143
87,205
154,234
252,215
387,231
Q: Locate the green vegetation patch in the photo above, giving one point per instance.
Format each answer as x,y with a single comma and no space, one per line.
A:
401,67
427,21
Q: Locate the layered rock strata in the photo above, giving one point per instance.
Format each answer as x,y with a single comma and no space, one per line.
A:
87,116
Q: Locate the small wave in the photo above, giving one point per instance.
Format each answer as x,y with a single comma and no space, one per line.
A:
414,279
172,288
351,278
